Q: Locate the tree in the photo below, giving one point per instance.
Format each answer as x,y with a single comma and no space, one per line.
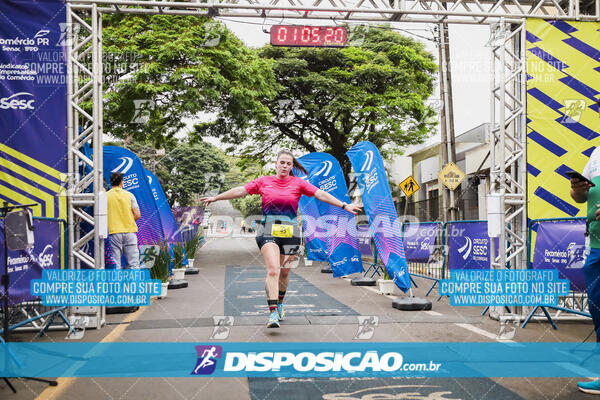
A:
244,170
161,69
249,205
330,99
189,169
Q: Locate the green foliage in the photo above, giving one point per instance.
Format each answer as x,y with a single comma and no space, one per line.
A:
249,205
160,269
244,170
174,70
190,169
191,246
330,99
241,171
178,255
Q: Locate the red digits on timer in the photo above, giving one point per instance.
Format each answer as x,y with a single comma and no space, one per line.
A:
308,36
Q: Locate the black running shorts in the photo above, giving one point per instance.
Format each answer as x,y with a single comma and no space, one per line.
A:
285,235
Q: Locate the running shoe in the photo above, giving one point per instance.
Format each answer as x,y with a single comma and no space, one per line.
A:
592,387
273,320
280,311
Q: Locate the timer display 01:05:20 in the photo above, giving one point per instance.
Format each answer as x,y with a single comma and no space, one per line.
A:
309,36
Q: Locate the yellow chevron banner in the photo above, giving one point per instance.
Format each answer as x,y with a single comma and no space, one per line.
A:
563,86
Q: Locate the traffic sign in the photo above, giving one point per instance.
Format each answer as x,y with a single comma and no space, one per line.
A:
451,176
409,186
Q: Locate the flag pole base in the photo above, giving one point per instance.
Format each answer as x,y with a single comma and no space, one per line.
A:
363,281
408,303
178,284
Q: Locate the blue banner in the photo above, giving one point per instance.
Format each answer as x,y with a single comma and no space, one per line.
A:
316,248
364,240
560,245
150,230
379,207
524,287
468,245
340,236
25,265
167,220
419,240
33,105
322,359
188,219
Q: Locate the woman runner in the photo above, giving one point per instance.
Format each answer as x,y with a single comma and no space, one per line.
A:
278,235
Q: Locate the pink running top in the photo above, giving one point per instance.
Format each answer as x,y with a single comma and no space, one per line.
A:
280,196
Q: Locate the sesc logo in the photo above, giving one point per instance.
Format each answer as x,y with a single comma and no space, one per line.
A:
207,362
44,259
125,166
368,161
465,251
18,101
325,169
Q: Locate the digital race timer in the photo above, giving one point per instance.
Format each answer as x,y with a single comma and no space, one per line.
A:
309,36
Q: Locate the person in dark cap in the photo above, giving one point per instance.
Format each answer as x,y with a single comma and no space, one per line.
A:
123,211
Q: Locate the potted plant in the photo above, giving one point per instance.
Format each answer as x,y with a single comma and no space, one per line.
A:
160,270
178,268
386,285
190,248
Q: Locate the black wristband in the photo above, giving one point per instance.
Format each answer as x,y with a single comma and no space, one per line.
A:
344,205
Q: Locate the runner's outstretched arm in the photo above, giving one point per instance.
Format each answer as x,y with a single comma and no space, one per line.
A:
329,199
234,193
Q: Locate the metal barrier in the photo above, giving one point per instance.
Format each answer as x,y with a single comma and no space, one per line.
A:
576,302
434,267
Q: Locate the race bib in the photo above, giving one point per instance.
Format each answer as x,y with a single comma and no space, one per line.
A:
282,231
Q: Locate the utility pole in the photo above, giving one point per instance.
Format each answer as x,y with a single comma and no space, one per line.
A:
447,117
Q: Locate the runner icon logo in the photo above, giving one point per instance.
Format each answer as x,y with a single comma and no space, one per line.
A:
207,359
222,327
366,327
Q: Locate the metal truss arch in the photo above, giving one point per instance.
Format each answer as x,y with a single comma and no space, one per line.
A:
508,108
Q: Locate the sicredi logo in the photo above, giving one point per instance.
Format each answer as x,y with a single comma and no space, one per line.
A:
18,101
207,359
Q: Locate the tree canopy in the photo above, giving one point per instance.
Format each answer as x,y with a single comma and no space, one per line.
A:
190,169
162,69
329,99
